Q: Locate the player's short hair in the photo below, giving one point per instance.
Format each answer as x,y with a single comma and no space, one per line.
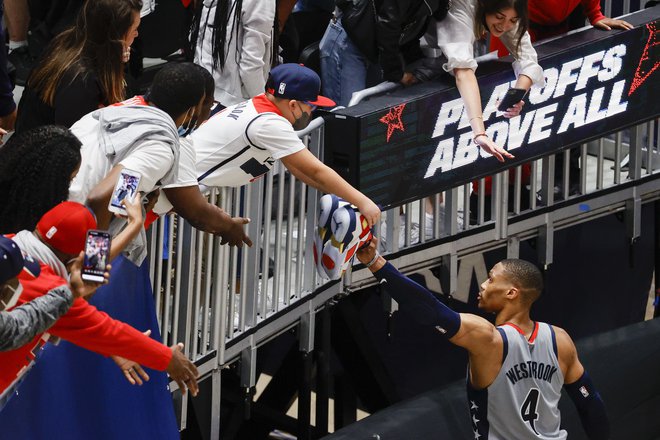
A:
176,88
525,276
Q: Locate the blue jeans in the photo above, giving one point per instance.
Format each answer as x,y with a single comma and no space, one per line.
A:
344,69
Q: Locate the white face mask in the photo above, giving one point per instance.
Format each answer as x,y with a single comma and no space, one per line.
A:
11,301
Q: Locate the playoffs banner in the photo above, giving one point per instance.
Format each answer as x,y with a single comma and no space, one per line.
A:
596,83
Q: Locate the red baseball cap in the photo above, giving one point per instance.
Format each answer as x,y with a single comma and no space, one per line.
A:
65,227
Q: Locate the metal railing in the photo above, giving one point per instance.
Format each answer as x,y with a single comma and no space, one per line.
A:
225,302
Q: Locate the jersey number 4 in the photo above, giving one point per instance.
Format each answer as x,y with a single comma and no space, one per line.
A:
528,408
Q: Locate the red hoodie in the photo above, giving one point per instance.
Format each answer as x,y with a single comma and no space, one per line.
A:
84,326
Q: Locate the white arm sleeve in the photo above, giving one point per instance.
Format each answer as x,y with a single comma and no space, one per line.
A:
152,160
276,135
455,36
526,60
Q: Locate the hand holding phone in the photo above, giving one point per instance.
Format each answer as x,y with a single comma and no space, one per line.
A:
126,187
513,96
97,254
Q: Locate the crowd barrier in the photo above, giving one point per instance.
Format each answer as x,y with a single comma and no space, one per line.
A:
225,302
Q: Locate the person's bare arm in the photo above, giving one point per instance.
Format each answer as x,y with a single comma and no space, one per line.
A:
99,197
133,226
468,87
607,24
306,167
190,204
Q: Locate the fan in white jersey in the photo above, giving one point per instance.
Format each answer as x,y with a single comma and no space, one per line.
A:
241,143
517,367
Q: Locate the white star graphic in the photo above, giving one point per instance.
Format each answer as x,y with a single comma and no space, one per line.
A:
476,435
473,405
475,420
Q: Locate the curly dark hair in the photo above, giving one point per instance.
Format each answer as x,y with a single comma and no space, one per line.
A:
35,173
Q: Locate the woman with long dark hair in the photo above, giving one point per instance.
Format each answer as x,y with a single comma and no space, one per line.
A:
468,21
36,168
83,68
233,39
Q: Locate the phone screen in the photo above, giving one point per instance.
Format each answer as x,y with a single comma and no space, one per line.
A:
127,186
97,254
513,96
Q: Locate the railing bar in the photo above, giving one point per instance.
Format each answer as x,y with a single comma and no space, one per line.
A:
197,292
517,190
600,165
278,237
618,138
265,248
288,253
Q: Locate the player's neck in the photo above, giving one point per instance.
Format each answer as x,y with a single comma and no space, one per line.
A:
518,317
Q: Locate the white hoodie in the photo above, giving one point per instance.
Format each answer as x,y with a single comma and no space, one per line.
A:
249,54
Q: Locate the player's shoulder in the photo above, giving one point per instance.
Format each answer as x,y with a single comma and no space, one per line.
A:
565,345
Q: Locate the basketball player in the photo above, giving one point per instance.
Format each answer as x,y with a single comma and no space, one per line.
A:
516,368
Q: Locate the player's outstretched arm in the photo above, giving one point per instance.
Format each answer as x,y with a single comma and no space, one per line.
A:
581,389
463,329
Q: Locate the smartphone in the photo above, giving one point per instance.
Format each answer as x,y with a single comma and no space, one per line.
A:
97,254
126,186
513,96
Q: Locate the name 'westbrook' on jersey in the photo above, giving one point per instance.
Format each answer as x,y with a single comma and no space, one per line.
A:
522,402
531,369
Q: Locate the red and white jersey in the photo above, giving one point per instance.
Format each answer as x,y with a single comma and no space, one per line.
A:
241,143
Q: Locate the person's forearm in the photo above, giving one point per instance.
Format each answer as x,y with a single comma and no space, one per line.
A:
328,181
524,82
122,239
416,301
468,87
23,323
190,204
590,408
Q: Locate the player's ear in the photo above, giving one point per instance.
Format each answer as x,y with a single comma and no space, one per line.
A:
513,293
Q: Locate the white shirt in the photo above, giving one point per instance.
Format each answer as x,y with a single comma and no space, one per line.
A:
151,159
455,37
241,143
187,176
248,54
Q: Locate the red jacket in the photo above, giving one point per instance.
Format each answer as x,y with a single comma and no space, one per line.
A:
555,12
85,326
552,16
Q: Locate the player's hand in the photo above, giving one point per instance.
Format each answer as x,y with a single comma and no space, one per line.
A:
235,234
491,147
367,253
515,110
607,24
182,371
79,287
369,210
